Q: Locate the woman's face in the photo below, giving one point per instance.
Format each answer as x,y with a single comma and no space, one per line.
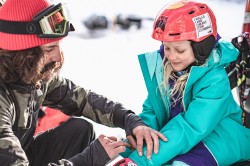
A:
53,59
179,54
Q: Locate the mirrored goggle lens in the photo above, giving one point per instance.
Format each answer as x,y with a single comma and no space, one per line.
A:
55,23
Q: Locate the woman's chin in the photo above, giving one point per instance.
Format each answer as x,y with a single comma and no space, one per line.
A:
177,69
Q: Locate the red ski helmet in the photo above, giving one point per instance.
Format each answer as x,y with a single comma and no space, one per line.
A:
184,20
187,20
21,24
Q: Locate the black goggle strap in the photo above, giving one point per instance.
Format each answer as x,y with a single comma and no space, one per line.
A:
30,28
15,27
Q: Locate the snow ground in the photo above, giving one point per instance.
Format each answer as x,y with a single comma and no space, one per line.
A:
107,62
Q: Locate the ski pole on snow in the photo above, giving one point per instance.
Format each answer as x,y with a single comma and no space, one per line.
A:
246,54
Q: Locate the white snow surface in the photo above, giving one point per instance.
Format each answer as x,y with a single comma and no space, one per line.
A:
107,61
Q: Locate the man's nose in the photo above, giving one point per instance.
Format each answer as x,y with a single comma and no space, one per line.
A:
57,57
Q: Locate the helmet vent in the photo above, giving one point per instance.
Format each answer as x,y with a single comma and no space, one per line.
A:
174,34
191,12
161,22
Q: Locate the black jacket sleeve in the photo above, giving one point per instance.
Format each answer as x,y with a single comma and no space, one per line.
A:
93,155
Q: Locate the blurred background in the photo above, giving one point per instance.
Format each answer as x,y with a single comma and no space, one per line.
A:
101,55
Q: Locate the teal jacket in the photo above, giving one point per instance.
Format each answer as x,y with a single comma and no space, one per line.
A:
210,112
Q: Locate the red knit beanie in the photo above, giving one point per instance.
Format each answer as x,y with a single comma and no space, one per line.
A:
22,10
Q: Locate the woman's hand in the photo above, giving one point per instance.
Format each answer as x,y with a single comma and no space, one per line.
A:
113,146
151,138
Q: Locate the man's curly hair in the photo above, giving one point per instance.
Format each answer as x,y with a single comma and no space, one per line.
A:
26,66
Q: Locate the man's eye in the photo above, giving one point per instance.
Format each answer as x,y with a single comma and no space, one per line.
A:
48,50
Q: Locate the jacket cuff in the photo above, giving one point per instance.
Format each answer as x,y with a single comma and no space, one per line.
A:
131,121
119,117
93,155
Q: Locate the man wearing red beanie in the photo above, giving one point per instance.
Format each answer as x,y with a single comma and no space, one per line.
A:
30,58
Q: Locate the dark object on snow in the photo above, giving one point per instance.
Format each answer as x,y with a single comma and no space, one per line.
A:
96,22
126,21
239,75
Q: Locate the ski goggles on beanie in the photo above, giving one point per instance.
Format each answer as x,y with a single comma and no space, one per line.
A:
52,22
2,2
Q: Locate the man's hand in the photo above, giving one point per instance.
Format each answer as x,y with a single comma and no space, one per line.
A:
112,146
150,136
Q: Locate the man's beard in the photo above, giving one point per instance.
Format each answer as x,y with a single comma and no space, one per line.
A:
50,70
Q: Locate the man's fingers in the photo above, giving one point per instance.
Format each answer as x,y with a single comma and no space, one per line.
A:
119,149
113,148
132,141
149,144
156,142
101,136
120,146
150,137
112,138
121,143
103,139
159,134
139,143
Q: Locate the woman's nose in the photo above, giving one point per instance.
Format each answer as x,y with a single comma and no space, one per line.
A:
171,56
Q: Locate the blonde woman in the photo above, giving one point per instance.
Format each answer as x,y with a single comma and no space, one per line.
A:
189,96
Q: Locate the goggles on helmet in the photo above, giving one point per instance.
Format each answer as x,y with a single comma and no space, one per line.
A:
52,22
1,2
